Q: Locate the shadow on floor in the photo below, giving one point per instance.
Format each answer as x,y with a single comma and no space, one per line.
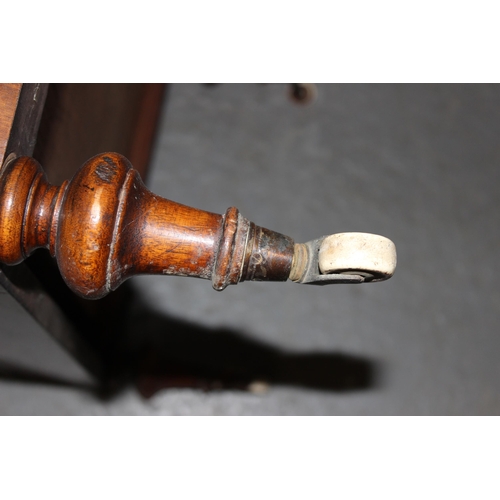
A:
138,346
173,353
158,352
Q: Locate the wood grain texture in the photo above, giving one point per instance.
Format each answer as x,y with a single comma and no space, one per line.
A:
35,284
76,123
105,226
9,97
82,119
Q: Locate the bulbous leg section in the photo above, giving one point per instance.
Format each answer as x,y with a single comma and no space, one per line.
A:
86,230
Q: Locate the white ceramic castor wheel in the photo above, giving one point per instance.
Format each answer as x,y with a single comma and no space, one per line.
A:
344,258
363,254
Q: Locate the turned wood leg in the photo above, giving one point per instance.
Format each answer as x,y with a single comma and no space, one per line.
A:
105,226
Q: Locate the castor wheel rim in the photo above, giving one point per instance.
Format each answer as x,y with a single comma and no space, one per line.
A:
369,255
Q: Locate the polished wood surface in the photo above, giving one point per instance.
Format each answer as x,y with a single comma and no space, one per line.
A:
62,125
105,226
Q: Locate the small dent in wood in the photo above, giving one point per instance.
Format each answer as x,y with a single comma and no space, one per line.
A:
106,171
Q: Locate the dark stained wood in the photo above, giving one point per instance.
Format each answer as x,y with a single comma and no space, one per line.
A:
9,97
82,119
24,133
21,107
31,283
87,329
148,110
105,226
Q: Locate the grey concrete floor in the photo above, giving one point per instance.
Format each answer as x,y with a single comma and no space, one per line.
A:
419,164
